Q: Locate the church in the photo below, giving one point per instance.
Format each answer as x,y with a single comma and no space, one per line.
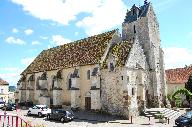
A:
121,73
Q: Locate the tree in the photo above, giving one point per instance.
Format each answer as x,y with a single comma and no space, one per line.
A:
188,86
12,88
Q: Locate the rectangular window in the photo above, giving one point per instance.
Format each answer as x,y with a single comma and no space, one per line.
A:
88,74
121,77
70,83
133,91
1,90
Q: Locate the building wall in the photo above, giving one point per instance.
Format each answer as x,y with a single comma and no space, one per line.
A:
171,88
11,97
65,96
4,92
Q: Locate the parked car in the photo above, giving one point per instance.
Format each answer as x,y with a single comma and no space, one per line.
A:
184,120
2,104
61,115
13,105
40,110
8,107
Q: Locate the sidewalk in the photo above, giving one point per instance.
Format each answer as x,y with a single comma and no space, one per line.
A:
136,121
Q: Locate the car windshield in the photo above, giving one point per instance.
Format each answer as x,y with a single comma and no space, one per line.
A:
42,107
188,115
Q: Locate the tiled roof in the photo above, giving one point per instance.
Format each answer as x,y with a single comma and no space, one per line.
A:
82,52
2,82
179,75
120,51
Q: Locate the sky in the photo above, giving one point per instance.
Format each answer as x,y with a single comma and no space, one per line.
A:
29,26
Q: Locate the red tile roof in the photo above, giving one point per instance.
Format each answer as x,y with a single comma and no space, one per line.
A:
2,82
179,75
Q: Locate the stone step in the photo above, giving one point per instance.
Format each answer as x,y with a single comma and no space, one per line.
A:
169,113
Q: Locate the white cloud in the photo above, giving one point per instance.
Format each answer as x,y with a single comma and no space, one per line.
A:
15,30
177,57
105,16
10,74
9,69
28,31
60,11
13,40
43,37
59,40
35,43
27,61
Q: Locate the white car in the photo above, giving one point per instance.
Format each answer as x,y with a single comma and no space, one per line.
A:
40,110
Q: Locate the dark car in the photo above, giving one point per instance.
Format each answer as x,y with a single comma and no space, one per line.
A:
184,120
8,107
61,115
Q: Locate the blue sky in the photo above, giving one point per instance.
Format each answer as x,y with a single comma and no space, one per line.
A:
29,26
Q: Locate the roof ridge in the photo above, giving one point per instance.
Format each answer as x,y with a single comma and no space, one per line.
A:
77,41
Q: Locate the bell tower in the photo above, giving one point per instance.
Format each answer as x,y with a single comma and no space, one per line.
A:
141,22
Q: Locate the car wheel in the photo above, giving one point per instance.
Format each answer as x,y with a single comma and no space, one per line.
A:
48,117
62,119
40,114
29,113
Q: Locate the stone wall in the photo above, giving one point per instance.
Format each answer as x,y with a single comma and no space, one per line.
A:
57,97
112,92
119,88
75,100
95,99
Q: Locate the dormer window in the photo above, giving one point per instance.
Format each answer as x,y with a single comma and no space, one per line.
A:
111,68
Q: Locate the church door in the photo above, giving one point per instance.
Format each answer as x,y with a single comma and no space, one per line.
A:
87,103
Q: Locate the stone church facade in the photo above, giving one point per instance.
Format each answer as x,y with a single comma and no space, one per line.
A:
117,73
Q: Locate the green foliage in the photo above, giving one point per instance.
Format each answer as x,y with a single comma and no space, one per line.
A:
177,98
181,91
188,85
12,88
159,116
169,97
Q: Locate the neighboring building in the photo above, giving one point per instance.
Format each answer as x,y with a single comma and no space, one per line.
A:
4,90
118,74
176,78
11,97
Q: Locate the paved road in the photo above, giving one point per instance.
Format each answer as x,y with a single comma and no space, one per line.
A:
94,120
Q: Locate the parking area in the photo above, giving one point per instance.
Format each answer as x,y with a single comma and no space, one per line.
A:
90,119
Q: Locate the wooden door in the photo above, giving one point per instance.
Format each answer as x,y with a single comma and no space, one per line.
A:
87,103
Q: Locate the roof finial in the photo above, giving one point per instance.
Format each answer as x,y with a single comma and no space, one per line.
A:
145,2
